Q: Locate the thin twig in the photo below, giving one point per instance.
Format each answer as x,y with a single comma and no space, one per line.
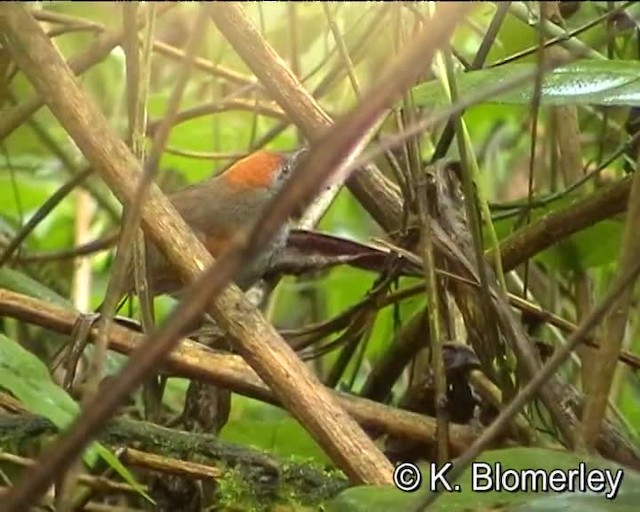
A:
561,354
293,382
194,361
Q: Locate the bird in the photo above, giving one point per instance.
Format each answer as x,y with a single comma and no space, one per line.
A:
218,207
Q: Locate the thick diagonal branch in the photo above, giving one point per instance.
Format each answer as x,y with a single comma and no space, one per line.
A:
257,340
380,197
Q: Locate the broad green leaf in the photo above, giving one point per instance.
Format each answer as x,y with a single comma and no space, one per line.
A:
26,377
374,499
587,82
370,499
626,501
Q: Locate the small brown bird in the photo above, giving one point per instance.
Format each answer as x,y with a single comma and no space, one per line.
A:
217,208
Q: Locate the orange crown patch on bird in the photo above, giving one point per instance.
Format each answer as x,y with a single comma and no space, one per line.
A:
255,170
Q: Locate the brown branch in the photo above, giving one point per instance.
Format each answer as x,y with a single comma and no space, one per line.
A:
257,340
97,52
195,361
413,336
96,483
542,377
378,195
558,225
297,388
158,46
194,456
615,326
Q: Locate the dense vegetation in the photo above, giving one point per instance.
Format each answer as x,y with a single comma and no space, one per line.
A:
494,200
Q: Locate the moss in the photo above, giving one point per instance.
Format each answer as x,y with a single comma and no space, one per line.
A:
253,480
236,493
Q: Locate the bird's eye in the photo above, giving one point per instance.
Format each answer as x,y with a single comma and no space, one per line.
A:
287,168
292,162
285,172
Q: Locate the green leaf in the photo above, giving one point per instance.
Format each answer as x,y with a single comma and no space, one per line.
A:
26,377
370,499
587,82
626,501
119,468
18,282
374,499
